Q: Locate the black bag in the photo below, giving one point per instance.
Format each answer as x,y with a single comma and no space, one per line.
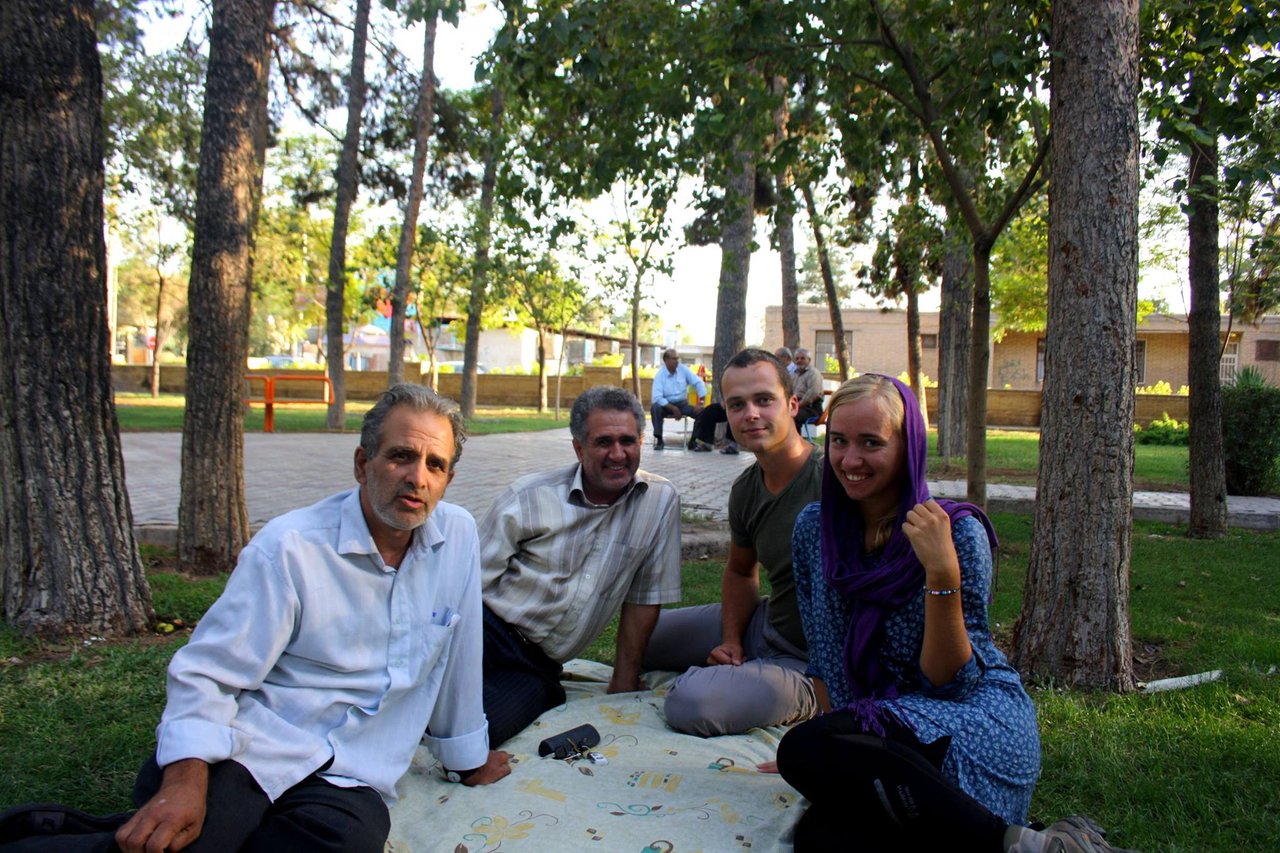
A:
573,742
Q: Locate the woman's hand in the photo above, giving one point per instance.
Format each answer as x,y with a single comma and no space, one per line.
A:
928,529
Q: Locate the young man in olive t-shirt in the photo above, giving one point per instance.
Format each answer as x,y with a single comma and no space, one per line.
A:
746,657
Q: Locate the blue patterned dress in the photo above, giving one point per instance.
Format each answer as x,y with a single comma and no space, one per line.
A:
994,754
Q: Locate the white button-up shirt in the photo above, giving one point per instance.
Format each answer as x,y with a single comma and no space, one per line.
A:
319,652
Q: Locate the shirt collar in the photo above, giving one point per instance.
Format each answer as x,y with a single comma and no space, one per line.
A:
578,495
354,536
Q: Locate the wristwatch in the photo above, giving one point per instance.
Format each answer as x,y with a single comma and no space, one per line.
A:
459,775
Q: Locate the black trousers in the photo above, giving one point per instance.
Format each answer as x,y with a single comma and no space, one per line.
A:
704,426
868,792
520,682
312,815
658,412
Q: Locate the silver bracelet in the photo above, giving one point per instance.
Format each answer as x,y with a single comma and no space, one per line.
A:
951,591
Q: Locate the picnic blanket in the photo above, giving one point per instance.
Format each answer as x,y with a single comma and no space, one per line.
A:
661,792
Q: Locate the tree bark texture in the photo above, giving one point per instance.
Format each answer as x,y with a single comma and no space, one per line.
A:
348,181
979,365
784,227
953,346
70,563
1074,626
480,268
828,283
1208,472
735,262
915,355
213,522
423,121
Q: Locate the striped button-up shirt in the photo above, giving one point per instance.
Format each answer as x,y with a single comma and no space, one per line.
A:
557,567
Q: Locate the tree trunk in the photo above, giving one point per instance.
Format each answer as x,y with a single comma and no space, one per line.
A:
1208,473
735,262
953,347
829,283
70,563
784,227
213,522
915,357
423,121
1074,626
635,337
348,180
979,363
542,370
159,341
480,268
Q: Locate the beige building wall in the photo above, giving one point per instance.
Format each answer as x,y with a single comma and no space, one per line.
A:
878,339
879,344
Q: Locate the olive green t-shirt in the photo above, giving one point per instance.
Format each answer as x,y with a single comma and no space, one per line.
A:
762,520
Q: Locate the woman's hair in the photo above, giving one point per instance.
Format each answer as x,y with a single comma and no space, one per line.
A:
882,390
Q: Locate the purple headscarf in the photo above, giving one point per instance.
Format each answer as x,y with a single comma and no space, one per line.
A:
878,588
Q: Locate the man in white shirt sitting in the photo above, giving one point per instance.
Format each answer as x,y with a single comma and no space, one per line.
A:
346,630
670,397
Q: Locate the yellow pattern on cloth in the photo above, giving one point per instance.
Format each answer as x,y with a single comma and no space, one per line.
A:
661,790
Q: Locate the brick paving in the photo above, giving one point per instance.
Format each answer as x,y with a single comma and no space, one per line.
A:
284,471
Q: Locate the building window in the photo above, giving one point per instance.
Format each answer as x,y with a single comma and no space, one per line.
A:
1266,350
1229,362
928,341
824,347
1140,362
1040,361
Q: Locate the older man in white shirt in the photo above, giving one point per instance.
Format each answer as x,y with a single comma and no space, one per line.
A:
347,630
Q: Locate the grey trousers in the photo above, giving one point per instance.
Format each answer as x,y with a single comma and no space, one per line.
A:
768,689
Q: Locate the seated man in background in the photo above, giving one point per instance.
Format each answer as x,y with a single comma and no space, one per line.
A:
563,551
806,385
670,397
744,659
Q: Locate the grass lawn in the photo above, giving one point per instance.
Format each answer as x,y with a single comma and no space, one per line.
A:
139,412
1013,456
1188,770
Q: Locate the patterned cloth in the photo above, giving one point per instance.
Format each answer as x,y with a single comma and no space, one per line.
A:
994,754
558,568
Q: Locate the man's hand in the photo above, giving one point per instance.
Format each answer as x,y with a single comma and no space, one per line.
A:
726,654
496,767
173,818
673,410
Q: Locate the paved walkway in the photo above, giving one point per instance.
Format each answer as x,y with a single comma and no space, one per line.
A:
284,471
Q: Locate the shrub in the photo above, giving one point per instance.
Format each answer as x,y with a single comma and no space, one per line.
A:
1166,431
1251,437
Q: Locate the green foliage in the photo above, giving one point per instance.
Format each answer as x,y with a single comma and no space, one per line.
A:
1020,272
1166,431
1251,438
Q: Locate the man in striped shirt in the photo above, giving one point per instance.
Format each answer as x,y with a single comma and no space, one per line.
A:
562,551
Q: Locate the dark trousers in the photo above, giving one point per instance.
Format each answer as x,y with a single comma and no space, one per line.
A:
808,410
520,682
659,411
888,792
312,815
704,428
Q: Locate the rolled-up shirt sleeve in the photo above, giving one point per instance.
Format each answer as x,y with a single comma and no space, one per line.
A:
232,649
